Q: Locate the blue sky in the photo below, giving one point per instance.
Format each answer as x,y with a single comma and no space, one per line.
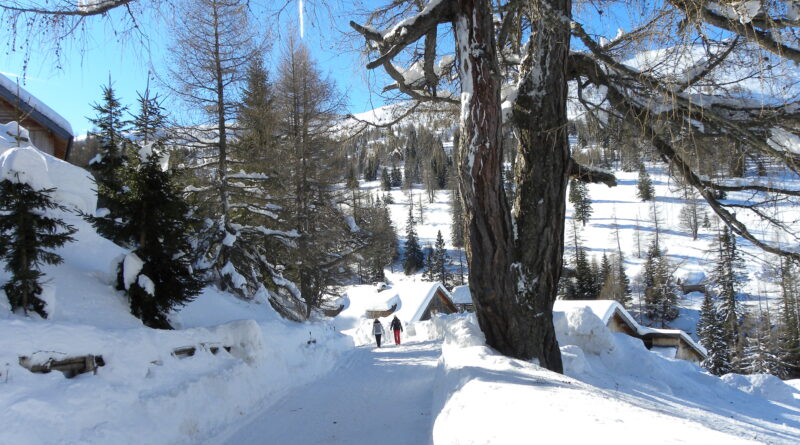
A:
72,87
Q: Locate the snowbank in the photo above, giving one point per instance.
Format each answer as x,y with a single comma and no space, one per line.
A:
144,391
144,394
612,385
19,160
765,385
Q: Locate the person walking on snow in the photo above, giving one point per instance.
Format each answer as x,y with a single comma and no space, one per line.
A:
397,327
377,329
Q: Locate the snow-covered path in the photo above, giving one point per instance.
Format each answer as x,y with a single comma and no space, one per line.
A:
375,396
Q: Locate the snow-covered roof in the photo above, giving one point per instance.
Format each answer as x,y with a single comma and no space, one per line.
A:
21,161
461,295
415,297
605,309
12,92
411,300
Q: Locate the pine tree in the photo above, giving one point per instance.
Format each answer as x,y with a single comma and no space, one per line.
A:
760,354
457,227
727,277
429,273
155,226
386,180
605,273
661,298
114,155
622,292
712,336
414,258
579,197
441,261
397,176
27,236
644,186
789,328
351,180
381,250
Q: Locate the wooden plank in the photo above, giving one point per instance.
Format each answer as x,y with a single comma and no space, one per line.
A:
70,366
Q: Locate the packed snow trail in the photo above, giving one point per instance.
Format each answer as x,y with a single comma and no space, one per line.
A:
376,396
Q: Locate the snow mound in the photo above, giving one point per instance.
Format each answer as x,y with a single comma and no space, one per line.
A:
476,387
582,328
20,161
764,385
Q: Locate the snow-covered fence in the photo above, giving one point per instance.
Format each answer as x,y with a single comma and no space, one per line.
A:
69,366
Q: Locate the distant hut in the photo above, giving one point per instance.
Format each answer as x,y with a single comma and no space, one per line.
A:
49,131
410,302
463,299
672,343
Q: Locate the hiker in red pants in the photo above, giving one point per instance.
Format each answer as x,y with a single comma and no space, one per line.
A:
396,327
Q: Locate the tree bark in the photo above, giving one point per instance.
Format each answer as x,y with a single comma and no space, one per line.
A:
487,213
515,258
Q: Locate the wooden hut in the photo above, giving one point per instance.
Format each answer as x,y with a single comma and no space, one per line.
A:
49,131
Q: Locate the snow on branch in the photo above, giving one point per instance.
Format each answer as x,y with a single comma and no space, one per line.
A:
390,43
82,8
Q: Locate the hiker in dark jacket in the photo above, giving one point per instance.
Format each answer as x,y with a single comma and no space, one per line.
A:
377,330
397,327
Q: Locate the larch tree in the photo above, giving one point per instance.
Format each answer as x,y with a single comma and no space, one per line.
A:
307,104
214,43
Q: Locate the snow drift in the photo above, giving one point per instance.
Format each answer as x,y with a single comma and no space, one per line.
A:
21,161
613,387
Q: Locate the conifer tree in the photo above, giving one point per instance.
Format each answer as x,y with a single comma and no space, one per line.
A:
605,273
441,261
712,337
114,155
386,180
760,354
661,297
155,226
382,248
789,328
457,228
429,274
622,291
644,186
27,236
727,277
414,258
396,176
351,180
579,197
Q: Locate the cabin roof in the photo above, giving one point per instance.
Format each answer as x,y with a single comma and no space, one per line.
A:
605,309
37,110
411,298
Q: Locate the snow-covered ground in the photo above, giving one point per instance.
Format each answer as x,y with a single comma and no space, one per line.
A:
614,390
284,382
143,393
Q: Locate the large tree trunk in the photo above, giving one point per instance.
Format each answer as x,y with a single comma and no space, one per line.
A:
515,261
542,170
487,213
